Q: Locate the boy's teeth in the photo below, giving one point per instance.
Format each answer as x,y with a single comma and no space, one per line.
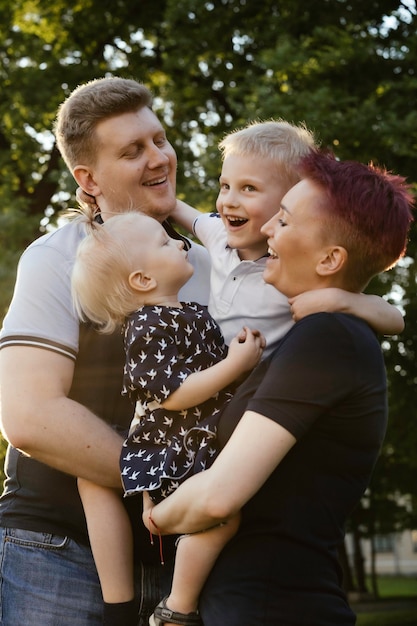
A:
241,220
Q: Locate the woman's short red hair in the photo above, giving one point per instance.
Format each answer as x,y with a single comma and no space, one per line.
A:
369,207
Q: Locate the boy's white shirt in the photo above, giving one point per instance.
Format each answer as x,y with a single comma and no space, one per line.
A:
238,294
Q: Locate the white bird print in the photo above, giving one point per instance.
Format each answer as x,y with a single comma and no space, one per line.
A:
165,392
159,356
168,371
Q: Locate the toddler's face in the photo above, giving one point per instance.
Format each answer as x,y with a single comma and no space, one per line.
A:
158,255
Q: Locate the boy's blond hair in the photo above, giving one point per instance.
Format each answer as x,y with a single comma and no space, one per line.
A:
282,143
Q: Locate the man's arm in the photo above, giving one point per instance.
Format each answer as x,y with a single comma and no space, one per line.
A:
40,420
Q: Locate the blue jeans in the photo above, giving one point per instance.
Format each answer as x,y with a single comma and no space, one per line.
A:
48,580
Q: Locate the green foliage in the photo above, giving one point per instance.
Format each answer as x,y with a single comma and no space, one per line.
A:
346,68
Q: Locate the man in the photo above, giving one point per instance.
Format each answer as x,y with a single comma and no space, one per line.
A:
61,381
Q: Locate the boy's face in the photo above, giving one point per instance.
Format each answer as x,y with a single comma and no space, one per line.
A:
250,194
135,166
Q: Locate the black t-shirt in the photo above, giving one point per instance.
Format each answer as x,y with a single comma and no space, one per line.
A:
326,384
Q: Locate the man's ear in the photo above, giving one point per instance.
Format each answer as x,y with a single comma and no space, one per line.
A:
333,261
85,180
139,281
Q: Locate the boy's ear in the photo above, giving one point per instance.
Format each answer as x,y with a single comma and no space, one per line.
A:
139,281
85,180
333,261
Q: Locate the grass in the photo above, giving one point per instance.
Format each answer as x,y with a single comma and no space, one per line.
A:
397,586
389,618
392,590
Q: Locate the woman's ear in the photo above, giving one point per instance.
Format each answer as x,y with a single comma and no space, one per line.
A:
333,261
85,180
139,281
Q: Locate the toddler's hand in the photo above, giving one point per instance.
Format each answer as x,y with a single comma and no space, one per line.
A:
246,349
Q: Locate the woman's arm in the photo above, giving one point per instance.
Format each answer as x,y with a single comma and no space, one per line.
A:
244,353
256,447
382,316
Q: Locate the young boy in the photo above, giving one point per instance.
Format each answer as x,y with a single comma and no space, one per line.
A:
259,167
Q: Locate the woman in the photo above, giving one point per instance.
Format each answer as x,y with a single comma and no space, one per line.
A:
302,434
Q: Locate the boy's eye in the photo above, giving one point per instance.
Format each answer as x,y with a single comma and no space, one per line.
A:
281,222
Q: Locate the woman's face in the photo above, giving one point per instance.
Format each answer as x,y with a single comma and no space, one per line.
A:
296,240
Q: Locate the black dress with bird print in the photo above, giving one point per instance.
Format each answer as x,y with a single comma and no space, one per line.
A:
164,345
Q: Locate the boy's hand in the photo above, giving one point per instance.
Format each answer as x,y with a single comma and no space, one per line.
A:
326,300
85,198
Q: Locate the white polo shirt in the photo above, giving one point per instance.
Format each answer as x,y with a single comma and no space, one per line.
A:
238,294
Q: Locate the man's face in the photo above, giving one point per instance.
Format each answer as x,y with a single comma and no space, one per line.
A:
135,166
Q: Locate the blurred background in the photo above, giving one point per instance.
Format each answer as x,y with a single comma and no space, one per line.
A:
346,68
